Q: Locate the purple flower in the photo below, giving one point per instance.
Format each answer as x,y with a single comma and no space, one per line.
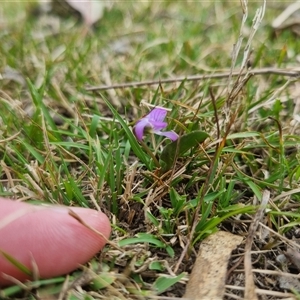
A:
154,122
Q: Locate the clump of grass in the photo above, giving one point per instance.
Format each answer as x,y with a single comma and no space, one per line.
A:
62,143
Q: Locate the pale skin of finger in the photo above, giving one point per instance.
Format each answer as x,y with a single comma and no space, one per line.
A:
56,241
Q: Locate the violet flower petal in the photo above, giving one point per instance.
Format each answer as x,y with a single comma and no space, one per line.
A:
158,125
140,127
157,114
155,121
169,134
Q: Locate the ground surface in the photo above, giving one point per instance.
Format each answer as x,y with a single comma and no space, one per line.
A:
63,142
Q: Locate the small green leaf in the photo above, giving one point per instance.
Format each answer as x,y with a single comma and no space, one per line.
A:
93,126
143,238
242,135
156,265
15,262
152,218
34,152
163,283
37,96
73,297
69,145
103,280
211,225
179,147
255,188
170,251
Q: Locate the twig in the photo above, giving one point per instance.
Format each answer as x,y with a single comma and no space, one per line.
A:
281,237
277,273
16,282
263,292
13,216
76,217
277,23
262,71
213,99
237,47
286,194
249,281
64,289
10,138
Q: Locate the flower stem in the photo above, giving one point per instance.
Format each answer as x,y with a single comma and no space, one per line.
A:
149,152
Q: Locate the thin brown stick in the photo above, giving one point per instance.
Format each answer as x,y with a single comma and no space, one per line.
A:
10,138
263,292
281,237
250,292
262,71
16,282
213,99
76,217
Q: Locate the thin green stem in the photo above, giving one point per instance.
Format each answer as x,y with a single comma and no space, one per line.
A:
146,148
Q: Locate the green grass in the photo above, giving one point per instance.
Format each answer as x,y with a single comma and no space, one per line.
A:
61,143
